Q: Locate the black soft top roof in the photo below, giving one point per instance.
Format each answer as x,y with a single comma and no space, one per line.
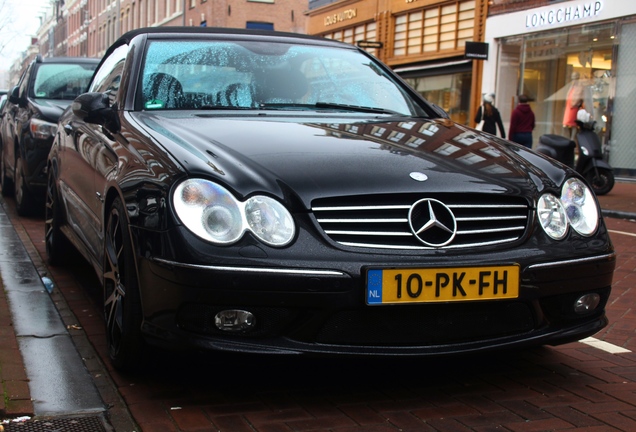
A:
189,30
88,60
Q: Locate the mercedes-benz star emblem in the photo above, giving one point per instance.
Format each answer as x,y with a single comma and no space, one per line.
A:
432,222
418,176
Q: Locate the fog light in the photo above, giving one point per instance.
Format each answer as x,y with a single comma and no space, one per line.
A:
233,320
587,303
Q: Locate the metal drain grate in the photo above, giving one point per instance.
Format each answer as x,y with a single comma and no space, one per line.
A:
74,424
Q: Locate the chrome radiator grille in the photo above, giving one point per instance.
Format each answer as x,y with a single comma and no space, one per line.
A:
383,221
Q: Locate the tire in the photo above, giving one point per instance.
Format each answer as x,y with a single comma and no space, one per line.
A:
122,304
6,185
25,203
601,183
59,249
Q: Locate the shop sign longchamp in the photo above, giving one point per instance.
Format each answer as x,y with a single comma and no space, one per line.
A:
564,14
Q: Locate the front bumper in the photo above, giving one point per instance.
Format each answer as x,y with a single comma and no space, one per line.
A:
323,311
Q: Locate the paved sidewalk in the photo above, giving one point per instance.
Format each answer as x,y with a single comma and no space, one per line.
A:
14,380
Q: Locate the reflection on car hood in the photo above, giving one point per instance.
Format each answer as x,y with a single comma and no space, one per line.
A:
329,156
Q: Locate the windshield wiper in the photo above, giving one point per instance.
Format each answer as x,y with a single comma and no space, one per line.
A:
223,107
329,105
357,108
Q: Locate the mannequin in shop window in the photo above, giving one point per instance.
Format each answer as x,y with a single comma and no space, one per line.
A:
573,103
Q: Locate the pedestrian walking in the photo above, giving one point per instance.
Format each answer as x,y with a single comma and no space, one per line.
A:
490,115
522,123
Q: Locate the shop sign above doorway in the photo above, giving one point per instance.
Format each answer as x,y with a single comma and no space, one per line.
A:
369,44
476,50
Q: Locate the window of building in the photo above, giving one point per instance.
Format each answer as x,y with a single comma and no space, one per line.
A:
259,25
438,28
451,91
363,32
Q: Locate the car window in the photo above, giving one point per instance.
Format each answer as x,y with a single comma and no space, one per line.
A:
61,80
108,77
242,74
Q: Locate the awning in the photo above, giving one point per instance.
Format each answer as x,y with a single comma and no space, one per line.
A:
430,66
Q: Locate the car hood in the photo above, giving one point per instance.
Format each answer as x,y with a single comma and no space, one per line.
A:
326,156
51,109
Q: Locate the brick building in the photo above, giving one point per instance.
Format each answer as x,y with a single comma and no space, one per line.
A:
88,27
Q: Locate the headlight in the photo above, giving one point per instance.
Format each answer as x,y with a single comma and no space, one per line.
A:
552,216
580,206
576,207
212,213
269,220
41,129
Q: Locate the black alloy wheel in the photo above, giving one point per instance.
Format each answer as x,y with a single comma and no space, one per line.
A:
601,179
59,250
122,305
6,185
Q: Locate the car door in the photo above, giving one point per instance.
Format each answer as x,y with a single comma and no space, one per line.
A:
10,123
89,159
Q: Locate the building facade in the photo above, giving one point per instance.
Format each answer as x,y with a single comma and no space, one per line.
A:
422,40
552,49
86,28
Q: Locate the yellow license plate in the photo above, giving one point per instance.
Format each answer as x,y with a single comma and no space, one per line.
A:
393,286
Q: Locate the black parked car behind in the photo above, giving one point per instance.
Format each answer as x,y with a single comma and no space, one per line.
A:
45,89
276,193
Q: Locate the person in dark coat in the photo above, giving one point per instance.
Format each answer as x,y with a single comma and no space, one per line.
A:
491,115
522,123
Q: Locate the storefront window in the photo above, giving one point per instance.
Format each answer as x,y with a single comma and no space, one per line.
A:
449,91
551,67
622,148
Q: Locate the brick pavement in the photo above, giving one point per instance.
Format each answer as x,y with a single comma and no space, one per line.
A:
573,386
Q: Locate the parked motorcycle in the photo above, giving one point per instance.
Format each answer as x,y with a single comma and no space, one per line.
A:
590,163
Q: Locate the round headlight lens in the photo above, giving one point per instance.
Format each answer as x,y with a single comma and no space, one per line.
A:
209,211
269,220
221,223
552,216
212,213
580,206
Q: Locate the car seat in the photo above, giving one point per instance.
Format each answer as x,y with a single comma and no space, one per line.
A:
162,91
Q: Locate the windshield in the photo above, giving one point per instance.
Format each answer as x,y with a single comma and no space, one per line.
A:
61,80
258,75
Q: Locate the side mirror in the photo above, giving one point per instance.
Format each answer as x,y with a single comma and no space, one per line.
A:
14,95
95,108
440,111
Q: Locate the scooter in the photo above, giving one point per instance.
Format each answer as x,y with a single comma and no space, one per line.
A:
590,163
